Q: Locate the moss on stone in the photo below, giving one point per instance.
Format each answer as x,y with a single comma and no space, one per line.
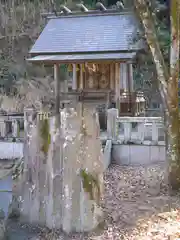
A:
45,135
90,184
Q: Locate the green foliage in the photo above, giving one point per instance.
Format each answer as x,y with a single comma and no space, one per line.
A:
45,135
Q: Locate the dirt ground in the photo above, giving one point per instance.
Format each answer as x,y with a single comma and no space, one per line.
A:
136,207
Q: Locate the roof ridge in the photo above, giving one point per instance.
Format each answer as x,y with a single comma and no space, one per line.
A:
90,13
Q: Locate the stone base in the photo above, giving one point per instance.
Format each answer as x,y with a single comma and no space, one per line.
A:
137,154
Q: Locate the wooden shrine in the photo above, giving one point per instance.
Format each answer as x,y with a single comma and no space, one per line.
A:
99,55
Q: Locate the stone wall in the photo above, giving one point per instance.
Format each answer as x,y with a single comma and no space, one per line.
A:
137,154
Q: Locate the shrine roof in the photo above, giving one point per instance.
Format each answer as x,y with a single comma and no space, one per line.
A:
87,33
66,58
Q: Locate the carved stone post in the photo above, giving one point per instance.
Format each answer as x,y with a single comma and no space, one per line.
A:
15,128
3,129
155,132
141,131
127,131
112,115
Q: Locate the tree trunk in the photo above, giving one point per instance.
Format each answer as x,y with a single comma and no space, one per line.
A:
173,150
168,83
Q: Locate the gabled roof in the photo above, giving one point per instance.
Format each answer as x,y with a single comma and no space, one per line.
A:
87,34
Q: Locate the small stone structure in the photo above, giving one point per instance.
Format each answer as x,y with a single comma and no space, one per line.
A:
136,140
10,123
11,145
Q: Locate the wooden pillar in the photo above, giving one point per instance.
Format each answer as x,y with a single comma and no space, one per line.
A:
74,80
117,89
81,85
123,76
112,76
57,93
131,77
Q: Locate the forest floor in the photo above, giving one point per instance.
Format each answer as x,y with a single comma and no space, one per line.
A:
136,207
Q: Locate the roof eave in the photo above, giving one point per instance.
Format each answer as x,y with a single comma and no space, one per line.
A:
34,54
74,58
52,62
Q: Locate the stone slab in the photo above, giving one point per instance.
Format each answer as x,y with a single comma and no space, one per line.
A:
137,154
